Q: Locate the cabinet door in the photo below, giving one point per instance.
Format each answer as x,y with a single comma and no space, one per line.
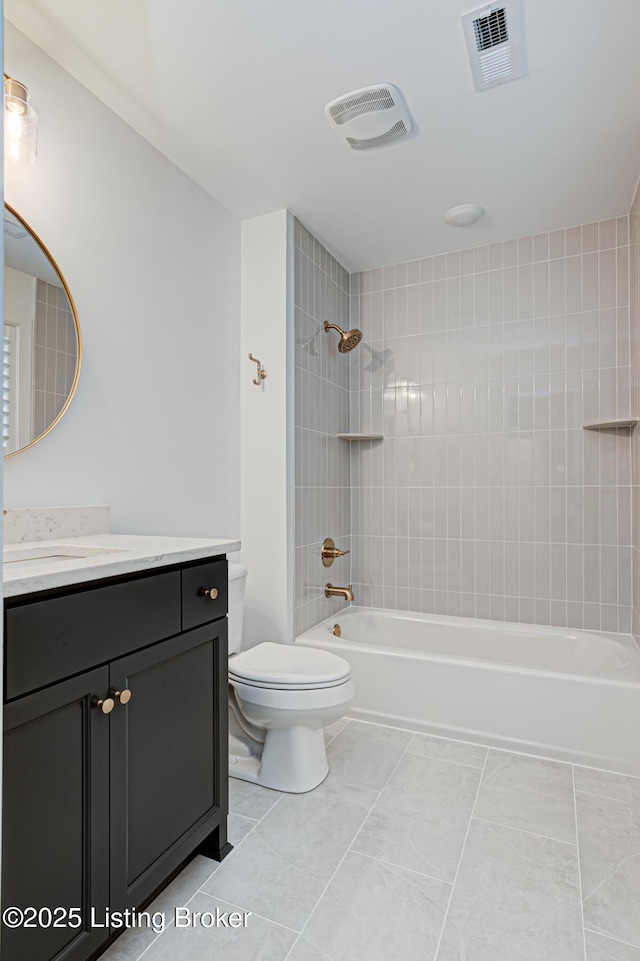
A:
168,750
55,816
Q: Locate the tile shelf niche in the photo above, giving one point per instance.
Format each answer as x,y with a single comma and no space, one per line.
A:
360,436
615,422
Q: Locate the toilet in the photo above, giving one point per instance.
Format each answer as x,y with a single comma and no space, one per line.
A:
280,699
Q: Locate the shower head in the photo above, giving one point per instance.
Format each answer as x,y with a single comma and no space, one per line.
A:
348,339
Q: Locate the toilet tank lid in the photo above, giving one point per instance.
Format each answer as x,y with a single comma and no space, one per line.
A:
235,571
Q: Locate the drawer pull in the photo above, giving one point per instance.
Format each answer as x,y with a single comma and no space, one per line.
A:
106,705
211,594
123,696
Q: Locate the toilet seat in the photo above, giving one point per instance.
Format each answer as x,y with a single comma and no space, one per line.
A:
285,667
280,702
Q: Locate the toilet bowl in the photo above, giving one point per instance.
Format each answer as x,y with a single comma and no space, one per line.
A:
280,699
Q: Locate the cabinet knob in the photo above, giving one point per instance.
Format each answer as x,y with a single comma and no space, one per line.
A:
106,705
211,593
123,696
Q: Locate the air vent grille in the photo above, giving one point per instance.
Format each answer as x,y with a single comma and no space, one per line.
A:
14,230
494,44
345,110
398,130
492,30
496,64
370,117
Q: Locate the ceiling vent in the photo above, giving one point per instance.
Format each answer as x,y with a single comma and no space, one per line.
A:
14,230
494,43
370,117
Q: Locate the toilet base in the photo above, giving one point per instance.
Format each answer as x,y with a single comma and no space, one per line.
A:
292,759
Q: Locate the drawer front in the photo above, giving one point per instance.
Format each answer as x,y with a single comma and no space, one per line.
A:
52,639
198,606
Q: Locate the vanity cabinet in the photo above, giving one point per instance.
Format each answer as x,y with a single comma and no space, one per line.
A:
116,772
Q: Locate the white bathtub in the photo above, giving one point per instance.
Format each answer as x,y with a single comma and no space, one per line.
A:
569,695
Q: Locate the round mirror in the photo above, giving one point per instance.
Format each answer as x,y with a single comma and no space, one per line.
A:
42,349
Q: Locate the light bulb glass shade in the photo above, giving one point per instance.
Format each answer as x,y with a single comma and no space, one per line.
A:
20,124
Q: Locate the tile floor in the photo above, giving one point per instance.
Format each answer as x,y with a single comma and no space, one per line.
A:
416,848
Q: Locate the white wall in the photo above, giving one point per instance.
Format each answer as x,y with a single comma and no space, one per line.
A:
267,428
153,264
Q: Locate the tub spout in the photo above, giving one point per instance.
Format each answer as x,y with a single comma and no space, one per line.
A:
345,592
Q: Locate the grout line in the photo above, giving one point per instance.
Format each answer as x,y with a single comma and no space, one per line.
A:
254,914
332,739
506,750
400,867
216,898
575,814
349,849
609,937
151,943
206,881
242,840
255,824
464,845
532,834
404,753
446,760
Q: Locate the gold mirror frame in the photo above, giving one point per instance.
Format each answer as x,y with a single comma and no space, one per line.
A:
76,325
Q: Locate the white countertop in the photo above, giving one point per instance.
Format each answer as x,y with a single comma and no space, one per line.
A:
139,553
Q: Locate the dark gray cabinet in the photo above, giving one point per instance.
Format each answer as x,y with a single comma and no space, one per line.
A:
55,838
101,808
164,758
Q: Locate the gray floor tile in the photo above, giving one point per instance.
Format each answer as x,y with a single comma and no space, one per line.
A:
609,836
260,940
130,945
375,912
421,818
456,752
600,948
239,827
186,884
250,800
332,729
366,754
281,869
529,794
516,898
616,786
134,941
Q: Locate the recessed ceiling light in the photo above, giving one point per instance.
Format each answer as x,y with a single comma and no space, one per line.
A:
464,215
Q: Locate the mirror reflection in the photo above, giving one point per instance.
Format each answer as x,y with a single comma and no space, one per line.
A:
41,344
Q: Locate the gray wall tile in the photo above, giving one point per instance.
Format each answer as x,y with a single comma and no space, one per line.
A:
489,375
322,482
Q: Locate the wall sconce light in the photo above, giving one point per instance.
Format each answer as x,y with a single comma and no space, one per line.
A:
20,123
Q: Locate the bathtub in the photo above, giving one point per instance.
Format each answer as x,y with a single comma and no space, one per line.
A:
564,694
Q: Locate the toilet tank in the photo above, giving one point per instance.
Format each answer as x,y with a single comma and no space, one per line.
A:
237,579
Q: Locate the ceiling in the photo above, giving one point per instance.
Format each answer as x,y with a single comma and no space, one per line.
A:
24,254
234,93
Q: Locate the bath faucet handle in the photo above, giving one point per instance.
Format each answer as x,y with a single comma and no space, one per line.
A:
330,552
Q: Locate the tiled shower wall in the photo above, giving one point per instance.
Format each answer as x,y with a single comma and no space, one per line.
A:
486,497
55,354
321,411
634,285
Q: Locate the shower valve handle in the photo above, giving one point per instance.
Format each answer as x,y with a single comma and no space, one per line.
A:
330,552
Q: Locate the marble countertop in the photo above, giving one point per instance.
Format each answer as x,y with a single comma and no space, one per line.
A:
131,553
